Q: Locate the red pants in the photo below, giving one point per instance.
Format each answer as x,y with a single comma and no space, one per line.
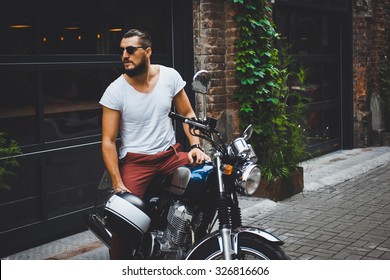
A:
137,171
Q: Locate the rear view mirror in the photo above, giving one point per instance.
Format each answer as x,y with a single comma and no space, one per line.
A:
201,82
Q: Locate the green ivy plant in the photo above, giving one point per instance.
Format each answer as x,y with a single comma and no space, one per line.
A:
264,75
8,149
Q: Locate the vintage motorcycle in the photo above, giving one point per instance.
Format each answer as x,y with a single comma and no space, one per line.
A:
177,217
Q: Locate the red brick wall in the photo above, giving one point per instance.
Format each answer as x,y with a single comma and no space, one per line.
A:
214,36
370,43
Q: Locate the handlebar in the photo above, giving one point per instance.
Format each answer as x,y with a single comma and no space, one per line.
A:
192,122
207,128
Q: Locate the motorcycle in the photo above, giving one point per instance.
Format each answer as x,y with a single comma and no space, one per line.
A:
177,217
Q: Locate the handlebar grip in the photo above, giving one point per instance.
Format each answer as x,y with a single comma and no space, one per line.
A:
191,122
178,117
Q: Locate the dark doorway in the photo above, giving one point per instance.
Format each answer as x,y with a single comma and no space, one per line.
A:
318,37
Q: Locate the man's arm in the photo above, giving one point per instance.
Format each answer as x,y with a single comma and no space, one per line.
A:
184,108
110,126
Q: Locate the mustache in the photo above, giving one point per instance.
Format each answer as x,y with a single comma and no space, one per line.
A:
127,60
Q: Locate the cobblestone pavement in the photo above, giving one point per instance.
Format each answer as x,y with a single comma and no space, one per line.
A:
350,220
343,213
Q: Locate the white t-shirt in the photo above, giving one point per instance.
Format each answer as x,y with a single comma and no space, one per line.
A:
144,126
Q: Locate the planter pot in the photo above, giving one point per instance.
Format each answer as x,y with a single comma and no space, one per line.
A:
281,189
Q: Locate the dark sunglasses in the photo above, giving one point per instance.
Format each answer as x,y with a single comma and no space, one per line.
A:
129,49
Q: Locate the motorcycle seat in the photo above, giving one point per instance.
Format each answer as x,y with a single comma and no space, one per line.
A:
134,200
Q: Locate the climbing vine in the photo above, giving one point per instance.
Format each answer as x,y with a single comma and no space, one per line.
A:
264,92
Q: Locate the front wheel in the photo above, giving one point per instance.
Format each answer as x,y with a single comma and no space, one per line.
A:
249,249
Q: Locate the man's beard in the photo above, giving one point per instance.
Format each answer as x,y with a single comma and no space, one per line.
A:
137,70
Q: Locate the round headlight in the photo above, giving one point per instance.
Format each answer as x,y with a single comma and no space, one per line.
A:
250,180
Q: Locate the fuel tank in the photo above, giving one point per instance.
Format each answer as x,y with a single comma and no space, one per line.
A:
191,182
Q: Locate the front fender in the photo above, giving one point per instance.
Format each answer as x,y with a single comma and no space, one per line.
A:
256,232
213,241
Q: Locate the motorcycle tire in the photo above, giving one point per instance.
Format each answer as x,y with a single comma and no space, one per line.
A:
249,249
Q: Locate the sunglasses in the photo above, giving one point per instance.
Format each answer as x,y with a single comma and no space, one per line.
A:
129,49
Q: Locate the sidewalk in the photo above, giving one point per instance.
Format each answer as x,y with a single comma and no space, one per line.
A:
342,213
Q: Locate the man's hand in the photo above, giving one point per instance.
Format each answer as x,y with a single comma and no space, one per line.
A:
197,156
120,188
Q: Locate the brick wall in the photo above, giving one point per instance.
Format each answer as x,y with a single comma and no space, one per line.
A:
214,36
370,43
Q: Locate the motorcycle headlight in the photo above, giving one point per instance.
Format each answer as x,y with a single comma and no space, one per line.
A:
250,179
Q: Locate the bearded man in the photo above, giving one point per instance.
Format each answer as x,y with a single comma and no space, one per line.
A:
136,105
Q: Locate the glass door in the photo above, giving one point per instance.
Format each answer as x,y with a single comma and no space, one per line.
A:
314,39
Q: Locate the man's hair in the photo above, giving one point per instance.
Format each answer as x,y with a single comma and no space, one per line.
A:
144,37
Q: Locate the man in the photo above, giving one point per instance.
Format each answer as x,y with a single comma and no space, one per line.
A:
137,105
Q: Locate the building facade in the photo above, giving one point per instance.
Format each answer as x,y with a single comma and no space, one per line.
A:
342,43
54,69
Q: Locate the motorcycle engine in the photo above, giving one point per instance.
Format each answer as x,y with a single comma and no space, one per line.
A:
179,231
179,224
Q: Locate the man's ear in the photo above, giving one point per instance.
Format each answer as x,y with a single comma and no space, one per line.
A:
148,52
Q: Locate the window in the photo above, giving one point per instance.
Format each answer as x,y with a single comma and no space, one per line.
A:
17,28
314,40
70,106
19,94
79,26
57,58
